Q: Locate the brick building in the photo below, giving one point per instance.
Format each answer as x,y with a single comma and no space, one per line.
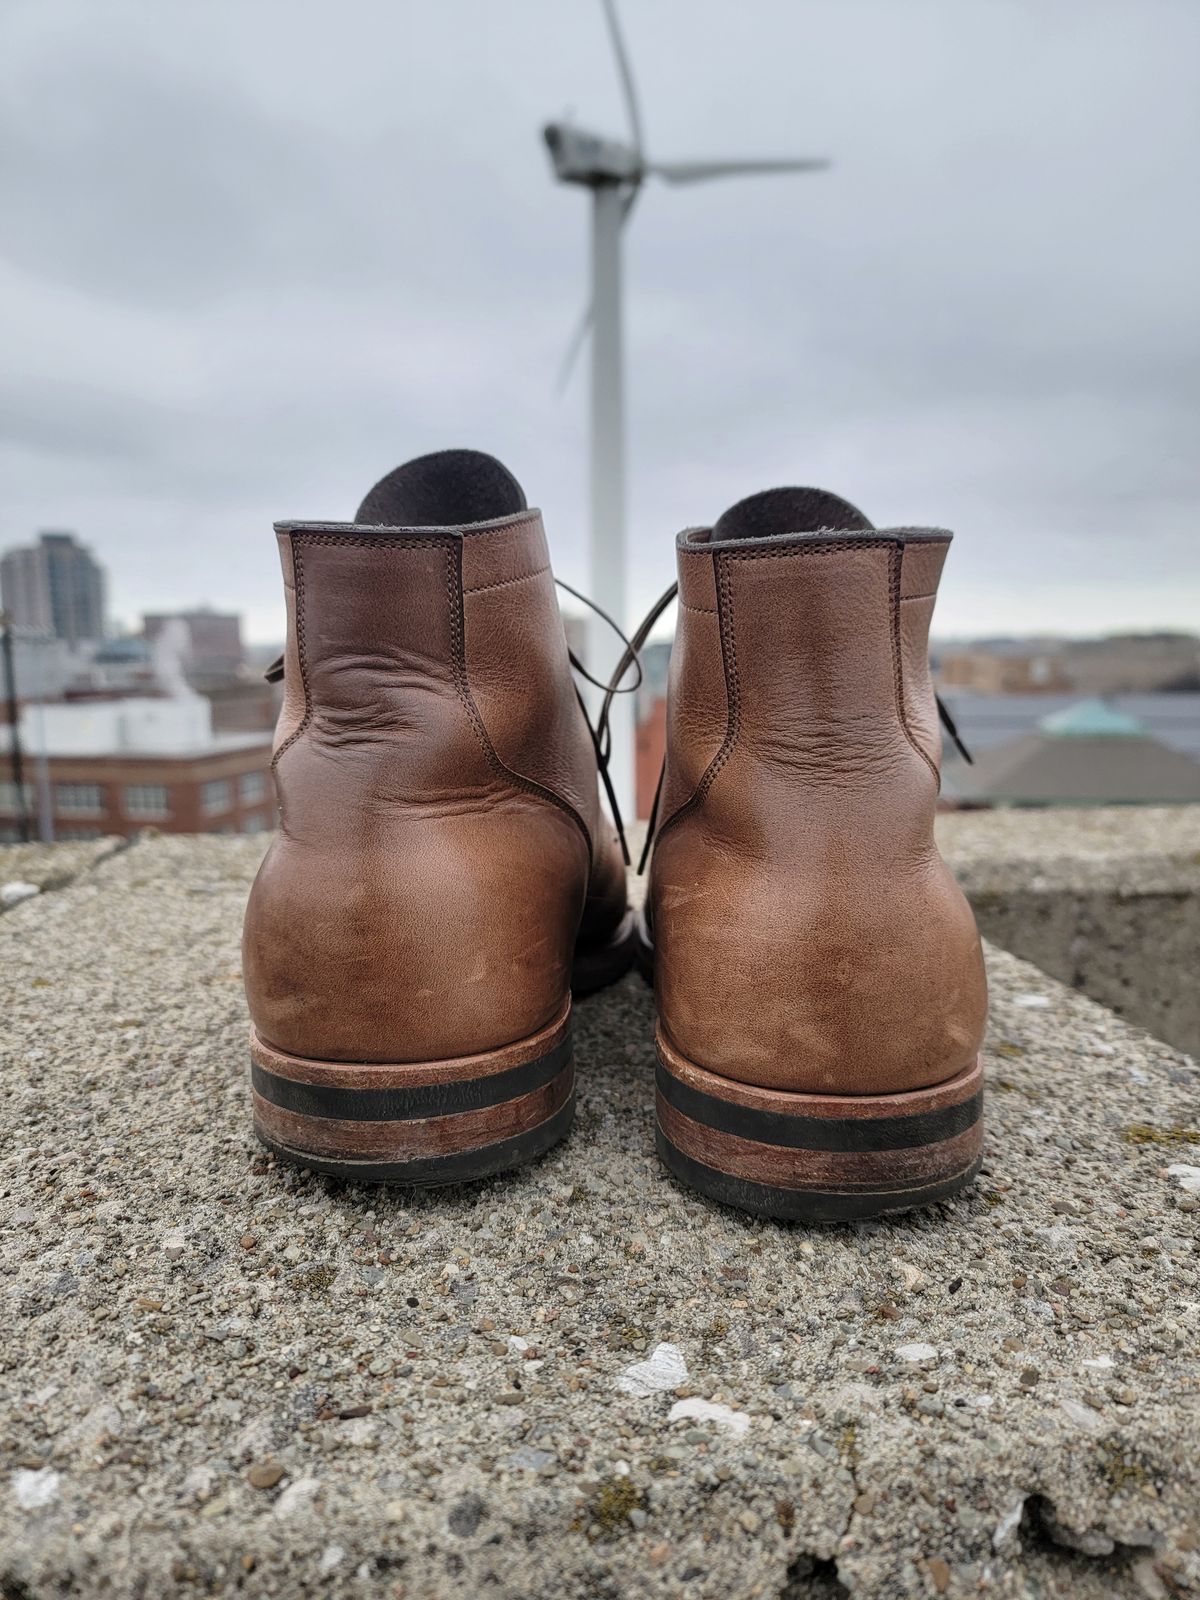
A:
648,757
117,766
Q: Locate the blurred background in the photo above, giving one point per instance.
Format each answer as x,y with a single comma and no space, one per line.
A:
254,255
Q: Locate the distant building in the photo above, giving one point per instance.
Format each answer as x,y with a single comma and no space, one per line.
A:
25,590
988,723
988,720
122,666
1119,663
55,586
651,742
116,766
244,705
1134,663
651,712
213,648
1089,753
42,665
656,664
1001,669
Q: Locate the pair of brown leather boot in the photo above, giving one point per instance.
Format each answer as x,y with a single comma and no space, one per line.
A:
444,877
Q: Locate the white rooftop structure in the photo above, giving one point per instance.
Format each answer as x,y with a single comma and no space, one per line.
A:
137,725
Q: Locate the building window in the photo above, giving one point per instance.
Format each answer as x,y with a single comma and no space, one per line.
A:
78,799
252,787
257,823
146,800
215,796
9,805
66,835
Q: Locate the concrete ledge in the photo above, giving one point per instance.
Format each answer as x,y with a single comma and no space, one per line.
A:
218,1376
1106,900
51,866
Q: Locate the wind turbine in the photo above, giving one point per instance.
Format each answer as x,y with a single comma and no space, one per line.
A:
614,172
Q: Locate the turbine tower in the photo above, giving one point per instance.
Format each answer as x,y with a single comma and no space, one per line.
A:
614,172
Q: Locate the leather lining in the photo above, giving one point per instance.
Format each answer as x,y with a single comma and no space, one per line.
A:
450,489
785,511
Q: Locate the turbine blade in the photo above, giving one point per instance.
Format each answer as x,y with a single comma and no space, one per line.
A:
575,345
623,68
701,171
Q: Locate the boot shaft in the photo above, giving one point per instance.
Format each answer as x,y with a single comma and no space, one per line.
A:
799,688
425,666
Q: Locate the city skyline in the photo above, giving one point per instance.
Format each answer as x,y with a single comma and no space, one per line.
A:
146,623
242,277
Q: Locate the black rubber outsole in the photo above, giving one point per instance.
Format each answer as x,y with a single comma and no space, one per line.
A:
434,1172
849,1135
805,1205
411,1104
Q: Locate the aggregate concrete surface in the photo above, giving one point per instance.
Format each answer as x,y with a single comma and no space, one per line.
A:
1105,899
38,867
1131,849
222,1376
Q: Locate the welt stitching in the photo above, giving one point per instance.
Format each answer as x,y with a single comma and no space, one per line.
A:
302,654
733,684
369,544
838,547
299,541
451,548
462,684
895,557
733,701
502,583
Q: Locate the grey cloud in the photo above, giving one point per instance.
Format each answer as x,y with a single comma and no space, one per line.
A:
251,256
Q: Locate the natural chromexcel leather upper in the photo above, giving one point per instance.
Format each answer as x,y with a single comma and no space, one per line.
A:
440,835
808,936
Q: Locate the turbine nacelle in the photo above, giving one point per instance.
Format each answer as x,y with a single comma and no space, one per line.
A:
587,159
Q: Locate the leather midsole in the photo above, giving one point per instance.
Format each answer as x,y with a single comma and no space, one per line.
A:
847,1143
412,1111
410,1074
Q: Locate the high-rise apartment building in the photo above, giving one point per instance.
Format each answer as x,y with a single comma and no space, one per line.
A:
55,586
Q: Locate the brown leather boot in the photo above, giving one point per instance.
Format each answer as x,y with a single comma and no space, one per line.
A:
820,985
442,873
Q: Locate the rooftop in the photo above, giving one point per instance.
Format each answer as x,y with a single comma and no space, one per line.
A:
1092,719
1074,765
221,1375
118,725
989,719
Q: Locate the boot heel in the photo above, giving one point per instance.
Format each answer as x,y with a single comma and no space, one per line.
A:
817,1157
423,1123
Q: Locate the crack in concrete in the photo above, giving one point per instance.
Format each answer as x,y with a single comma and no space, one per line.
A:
66,879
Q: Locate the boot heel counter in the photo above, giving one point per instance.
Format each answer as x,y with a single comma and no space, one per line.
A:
814,983
453,936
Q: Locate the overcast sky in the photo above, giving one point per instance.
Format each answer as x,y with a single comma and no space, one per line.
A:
254,254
